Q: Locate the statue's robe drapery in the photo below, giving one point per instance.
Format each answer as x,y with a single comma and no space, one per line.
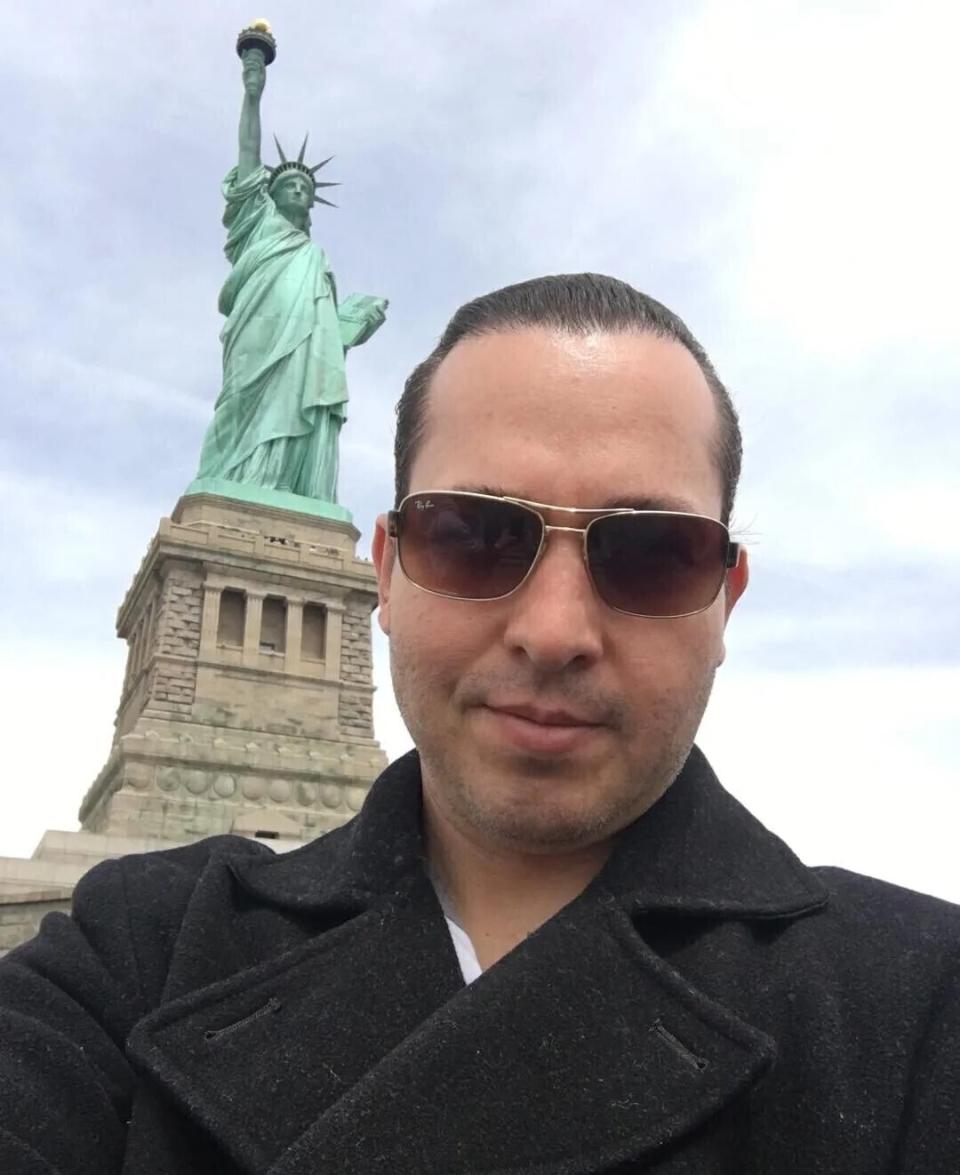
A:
284,398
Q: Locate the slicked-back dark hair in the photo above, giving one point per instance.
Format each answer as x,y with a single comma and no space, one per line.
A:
579,303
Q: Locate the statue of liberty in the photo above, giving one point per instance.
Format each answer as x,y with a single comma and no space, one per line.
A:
277,419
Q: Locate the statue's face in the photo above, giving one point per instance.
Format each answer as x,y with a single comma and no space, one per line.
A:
293,195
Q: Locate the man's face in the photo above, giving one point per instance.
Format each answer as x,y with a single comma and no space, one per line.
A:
572,421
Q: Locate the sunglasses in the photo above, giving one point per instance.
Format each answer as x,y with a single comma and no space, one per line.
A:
651,563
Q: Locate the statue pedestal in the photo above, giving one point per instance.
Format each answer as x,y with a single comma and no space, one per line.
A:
247,701
260,496
246,705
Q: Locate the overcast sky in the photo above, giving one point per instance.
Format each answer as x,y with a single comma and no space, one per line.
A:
783,175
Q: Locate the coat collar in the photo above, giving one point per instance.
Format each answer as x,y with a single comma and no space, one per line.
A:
697,851
360,1049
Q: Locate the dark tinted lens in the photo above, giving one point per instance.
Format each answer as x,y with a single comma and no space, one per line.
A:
657,564
475,548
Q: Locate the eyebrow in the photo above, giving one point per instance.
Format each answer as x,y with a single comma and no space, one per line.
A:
621,502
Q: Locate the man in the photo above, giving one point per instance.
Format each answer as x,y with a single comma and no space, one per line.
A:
658,984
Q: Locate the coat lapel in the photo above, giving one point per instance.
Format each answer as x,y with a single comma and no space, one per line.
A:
360,1049
541,1065
256,1057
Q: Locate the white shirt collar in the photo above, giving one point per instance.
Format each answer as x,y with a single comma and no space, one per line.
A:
462,944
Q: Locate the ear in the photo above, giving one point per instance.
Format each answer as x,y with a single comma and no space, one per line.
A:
384,555
737,579
736,584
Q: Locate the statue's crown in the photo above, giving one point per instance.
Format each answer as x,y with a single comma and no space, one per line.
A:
286,165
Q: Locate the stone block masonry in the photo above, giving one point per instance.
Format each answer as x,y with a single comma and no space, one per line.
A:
265,738
216,728
173,674
355,711
20,918
356,658
181,608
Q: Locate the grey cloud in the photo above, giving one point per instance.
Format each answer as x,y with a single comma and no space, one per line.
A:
883,613
477,145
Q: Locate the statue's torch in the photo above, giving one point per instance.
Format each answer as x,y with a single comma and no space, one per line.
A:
257,36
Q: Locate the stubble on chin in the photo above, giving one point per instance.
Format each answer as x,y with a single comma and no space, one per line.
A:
533,804
522,808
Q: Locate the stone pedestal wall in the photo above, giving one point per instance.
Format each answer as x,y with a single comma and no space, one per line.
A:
253,718
228,713
20,917
356,696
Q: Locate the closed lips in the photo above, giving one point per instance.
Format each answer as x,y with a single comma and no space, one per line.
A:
544,717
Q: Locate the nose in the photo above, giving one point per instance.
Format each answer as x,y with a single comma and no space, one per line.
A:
556,618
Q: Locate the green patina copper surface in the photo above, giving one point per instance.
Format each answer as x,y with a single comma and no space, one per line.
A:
267,497
276,425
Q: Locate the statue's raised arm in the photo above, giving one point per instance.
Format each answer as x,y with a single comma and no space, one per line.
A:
276,425
254,79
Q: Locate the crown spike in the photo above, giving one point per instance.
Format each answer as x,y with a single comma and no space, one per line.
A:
331,184
320,200
303,148
283,158
316,167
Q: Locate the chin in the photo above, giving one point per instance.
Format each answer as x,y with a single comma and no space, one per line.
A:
542,811
554,830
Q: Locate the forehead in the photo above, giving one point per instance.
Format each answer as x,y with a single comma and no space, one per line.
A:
289,176
573,420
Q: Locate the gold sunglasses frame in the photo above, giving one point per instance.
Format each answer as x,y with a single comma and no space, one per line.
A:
731,558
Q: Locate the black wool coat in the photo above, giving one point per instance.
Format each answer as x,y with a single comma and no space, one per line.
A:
708,1005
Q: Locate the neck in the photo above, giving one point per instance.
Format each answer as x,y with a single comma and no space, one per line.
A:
297,219
501,894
